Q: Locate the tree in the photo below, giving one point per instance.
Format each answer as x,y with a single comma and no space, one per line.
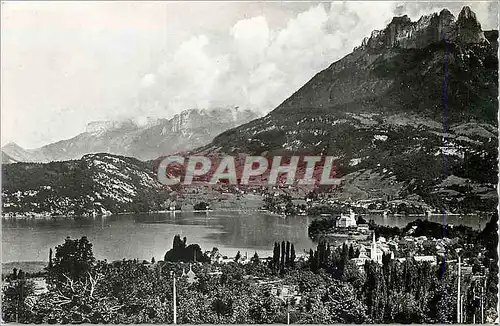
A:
50,258
352,274
404,309
237,257
202,206
73,259
79,301
15,293
374,288
343,305
152,260
351,252
222,305
264,308
255,259
182,253
292,256
276,256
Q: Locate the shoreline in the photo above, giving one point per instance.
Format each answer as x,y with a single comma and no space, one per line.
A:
46,217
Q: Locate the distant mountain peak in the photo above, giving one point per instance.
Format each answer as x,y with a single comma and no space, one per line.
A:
468,27
6,159
403,33
466,13
11,145
142,137
101,127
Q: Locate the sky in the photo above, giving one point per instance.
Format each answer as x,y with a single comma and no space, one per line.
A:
65,64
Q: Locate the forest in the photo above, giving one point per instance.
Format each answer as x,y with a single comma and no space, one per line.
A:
331,288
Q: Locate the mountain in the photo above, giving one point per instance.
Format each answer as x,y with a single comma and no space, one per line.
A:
6,159
413,106
16,153
97,184
157,137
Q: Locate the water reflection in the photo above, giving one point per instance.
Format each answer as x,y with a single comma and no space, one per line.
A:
144,236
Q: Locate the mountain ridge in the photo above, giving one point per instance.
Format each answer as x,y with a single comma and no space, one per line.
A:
96,184
404,122
186,130
394,109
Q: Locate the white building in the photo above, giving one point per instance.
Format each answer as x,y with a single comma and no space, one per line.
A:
346,221
430,259
363,228
376,252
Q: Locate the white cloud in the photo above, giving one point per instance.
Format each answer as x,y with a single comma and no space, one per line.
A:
260,67
251,39
65,64
148,80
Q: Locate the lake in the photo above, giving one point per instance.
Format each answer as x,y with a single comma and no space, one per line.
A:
144,236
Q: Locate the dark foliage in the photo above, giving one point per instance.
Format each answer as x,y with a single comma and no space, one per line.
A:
181,252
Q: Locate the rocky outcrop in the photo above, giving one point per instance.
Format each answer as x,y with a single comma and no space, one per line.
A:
403,33
381,112
468,28
144,140
101,127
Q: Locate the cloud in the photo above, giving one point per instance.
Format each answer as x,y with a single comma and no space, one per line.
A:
251,40
148,80
64,65
259,67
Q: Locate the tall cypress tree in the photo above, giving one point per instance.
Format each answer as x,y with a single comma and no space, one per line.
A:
316,262
351,252
327,254
319,252
276,256
50,258
292,256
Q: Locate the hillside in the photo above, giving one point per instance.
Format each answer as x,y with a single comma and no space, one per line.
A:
6,159
412,106
97,184
186,130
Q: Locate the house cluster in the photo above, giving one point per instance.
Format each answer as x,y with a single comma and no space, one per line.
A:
285,292
375,251
216,257
411,246
348,222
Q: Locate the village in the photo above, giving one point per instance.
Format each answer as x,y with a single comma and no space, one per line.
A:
350,246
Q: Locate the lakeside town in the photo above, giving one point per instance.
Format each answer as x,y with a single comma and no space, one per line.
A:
282,200
359,272
250,162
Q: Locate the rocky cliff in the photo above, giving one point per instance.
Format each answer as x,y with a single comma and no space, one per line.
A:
157,137
416,103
